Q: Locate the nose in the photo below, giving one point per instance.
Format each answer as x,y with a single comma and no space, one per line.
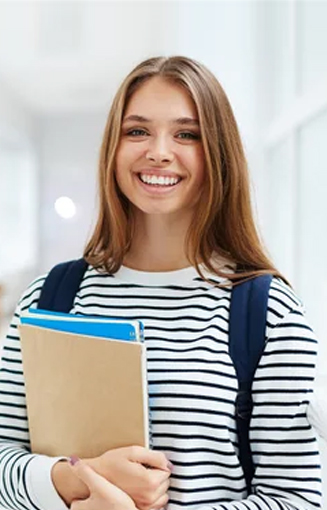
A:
159,151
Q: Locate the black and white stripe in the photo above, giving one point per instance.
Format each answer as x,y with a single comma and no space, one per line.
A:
192,389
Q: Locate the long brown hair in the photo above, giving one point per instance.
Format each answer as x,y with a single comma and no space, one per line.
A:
224,224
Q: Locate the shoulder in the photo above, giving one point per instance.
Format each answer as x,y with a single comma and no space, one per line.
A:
282,298
84,277
32,294
285,308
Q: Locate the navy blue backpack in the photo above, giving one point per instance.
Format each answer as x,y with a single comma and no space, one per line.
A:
247,326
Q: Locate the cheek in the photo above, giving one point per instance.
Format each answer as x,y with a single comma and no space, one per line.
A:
121,164
199,167
120,157
129,152
117,171
201,171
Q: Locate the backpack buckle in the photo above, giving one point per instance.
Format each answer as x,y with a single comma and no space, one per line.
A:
244,404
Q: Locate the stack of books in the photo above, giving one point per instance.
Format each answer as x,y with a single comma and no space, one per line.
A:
86,383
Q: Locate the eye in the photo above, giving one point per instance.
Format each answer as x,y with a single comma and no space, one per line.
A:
188,135
136,132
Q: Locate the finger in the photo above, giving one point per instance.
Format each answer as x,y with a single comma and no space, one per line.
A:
156,499
94,481
162,490
150,457
98,485
79,504
164,486
160,503
159,477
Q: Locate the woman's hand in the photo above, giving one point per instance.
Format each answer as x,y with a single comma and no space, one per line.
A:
103,494
141,473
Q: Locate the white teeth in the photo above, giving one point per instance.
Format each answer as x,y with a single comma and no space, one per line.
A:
161,180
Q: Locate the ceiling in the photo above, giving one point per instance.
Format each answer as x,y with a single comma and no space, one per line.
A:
63,56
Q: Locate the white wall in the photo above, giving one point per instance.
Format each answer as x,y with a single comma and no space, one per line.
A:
18,196
15,117
222,36
69,156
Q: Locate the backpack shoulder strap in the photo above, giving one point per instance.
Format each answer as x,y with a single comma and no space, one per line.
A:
247,325
61,285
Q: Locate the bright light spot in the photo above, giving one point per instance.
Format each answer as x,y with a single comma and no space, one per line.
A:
65,207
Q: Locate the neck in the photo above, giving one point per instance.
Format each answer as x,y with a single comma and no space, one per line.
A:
158,244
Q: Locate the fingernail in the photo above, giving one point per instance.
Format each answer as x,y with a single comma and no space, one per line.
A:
73,460
170,465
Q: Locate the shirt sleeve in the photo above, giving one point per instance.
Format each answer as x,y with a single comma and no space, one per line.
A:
317,410
283,443
25,478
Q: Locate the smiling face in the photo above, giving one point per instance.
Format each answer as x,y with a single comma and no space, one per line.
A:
159,162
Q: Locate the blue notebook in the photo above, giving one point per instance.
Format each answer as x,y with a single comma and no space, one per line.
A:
97,326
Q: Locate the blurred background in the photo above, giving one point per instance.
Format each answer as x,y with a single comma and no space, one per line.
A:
60,64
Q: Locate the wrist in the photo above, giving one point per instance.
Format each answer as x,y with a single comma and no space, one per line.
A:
67,484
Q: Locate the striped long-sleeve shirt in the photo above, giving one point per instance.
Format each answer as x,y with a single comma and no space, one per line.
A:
192,390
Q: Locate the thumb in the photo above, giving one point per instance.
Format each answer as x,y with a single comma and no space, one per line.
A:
101,490
94,481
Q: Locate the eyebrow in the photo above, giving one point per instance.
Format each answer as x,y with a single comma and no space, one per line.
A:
186,121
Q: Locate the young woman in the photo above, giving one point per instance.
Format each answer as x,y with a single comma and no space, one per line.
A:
175,231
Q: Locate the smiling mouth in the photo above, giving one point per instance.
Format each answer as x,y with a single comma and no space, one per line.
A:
154,180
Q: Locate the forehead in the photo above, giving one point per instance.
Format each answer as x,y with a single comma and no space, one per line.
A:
158,96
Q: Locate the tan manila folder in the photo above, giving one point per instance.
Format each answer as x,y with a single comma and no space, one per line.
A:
85,395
